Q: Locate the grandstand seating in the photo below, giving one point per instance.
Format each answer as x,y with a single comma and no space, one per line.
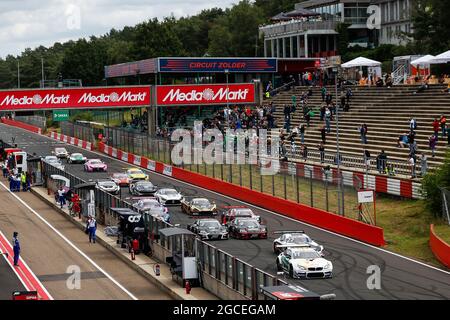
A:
386,111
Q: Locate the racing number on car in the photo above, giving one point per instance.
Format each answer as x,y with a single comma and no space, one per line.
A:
134,219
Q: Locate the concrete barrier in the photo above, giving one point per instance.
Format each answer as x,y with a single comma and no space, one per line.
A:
440,248
18,124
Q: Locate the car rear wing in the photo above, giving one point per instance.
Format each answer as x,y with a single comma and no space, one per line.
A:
290,232
293,246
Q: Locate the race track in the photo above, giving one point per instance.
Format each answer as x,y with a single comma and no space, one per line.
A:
401,278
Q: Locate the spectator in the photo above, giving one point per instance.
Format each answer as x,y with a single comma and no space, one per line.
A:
323,91
381,162
304,152
443,122
302,133
322,113
323,134
423,165
367,159
436,125
412,124
308,118
432,141
327,120
363,133
423,87
322,153
412,164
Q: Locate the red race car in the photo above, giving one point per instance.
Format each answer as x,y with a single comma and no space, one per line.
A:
122,179
233,212
247,228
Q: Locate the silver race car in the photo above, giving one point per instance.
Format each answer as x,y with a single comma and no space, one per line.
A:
168,197
294,238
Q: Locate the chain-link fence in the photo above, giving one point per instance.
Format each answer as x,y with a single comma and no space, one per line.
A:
37,121
81,131
225,268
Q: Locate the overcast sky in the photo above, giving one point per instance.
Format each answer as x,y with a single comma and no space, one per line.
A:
30,23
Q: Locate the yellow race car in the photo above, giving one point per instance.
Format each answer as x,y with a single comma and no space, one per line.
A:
136,174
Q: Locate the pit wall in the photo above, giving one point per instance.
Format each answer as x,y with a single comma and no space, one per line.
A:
440,248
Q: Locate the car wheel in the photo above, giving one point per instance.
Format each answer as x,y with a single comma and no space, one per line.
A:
291,271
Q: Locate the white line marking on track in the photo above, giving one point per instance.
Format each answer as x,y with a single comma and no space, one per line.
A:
71,244
268,211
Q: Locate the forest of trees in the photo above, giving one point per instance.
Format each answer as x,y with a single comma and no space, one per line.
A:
213,32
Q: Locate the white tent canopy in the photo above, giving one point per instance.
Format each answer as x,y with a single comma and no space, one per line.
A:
442,58
361,62
423,61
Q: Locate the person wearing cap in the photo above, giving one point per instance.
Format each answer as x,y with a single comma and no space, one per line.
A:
16,248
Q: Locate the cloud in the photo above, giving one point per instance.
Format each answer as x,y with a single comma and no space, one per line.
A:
30,23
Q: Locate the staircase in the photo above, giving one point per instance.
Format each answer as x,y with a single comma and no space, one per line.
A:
386,111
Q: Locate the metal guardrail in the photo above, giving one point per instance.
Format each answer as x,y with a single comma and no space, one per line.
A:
220,265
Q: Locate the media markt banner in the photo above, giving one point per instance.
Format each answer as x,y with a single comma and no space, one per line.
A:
60,115
208,94
75,98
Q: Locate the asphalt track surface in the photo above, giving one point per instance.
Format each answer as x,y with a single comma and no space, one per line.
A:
401,277
9,282
54,248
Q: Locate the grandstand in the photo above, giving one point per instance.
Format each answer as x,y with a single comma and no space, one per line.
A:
386,111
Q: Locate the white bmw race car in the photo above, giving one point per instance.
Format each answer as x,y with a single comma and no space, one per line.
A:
303,262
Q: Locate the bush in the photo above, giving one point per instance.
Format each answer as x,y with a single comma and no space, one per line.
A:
84,116
431,184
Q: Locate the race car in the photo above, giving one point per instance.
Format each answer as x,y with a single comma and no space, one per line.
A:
95,165
76,158
136,174
304,262
55,162
108,186
233,212
121,179
247,228
198,206
150,206
208,229
294,238
168,196
142,188
61,153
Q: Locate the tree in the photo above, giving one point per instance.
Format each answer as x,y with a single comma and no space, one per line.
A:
431,184
431,21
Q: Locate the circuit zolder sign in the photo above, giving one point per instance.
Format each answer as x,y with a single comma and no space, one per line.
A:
79,98
209,94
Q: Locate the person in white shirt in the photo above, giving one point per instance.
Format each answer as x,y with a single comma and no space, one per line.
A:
61,197
91,228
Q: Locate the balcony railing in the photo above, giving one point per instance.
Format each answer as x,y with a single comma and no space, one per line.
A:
296,26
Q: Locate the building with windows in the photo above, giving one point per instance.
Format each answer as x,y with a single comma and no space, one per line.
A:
310,30
395,21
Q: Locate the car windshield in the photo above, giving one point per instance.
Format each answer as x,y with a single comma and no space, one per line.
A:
95,162
52,159
248,223
107,184
169,192
244,212
149,203
298,239
60,150
77,155
305,255
135,171
209,224
201,202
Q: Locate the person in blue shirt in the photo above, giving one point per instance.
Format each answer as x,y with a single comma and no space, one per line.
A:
16,248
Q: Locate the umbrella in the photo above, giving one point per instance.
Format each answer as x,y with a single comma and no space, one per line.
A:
423,61
442,58
361,62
